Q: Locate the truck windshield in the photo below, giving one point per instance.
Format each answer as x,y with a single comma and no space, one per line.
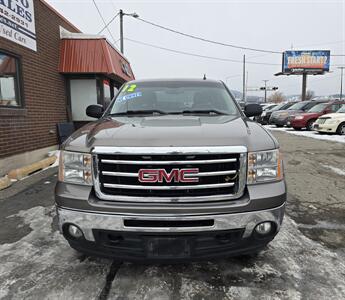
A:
341,109
278,107
298,106
318,108
174,97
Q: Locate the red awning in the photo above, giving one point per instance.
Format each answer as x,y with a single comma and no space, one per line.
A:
93,56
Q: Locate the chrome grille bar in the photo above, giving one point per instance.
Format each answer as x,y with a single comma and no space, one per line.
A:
201,174
168,187
121,188
167,162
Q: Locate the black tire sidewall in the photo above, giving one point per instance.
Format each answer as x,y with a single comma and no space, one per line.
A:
309,124
339,128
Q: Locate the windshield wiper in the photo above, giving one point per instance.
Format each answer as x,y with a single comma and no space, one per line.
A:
140,112
208,111
160,112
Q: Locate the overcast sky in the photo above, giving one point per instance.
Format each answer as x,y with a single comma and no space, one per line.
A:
271,24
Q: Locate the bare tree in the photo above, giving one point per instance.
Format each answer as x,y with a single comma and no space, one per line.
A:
309,95
277,97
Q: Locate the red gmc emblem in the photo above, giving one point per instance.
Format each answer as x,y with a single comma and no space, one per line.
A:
161,175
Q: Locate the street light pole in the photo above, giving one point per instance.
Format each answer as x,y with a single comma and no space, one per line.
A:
121,13
341,82
304,86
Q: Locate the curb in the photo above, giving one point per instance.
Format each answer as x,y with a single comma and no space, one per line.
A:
5,182
27,170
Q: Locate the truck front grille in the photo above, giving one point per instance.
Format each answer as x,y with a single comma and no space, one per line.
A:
216,176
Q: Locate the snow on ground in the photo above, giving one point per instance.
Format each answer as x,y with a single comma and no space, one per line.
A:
335,170
311,134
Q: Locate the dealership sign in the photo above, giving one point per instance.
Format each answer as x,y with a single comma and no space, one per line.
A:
17,22
306,61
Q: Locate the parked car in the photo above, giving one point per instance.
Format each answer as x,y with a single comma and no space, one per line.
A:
307,119
280,118
268,106
265,107
332,123
265,116
157,178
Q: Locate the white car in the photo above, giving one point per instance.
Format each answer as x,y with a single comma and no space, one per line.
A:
332,123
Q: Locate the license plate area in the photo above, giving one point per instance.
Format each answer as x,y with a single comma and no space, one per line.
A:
168,247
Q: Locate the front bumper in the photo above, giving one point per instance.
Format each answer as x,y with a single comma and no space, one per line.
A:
332,128
280,121
295,123
217,235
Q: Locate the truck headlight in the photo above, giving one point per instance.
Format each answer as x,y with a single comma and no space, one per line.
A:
299,117
332,121
264,166
75,168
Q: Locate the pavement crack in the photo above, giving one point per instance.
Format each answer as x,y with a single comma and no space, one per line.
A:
114,267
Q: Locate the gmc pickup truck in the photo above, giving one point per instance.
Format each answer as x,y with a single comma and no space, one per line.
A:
172,170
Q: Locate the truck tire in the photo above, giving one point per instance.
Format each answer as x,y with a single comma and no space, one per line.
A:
310,124
341,129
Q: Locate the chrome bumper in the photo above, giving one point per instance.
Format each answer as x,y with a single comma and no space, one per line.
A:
87,221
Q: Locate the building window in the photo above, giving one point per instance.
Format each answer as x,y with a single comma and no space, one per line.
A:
10,95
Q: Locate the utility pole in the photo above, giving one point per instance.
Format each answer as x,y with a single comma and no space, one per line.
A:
247,84
265,81
244,78
341,82
121,13
121,30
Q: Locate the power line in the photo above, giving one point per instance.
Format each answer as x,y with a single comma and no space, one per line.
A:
106,26
208,40
100,14
198,55
215,42
195,37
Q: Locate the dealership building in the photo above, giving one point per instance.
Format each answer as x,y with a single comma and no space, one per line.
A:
49,73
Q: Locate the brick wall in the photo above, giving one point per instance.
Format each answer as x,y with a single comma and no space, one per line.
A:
44,90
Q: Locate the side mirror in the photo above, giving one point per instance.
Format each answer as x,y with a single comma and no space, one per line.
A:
95,111
252,110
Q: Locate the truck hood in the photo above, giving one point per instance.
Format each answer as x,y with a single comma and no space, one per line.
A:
335,116
286,112
171,130
310,115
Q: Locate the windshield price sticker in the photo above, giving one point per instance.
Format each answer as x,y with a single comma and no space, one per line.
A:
131,96
130,88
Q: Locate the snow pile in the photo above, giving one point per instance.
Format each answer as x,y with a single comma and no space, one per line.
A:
57,154
312,134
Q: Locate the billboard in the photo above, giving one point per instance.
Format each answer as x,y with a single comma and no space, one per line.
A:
17,22
304,61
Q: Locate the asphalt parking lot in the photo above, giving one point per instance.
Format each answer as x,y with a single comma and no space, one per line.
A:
305,261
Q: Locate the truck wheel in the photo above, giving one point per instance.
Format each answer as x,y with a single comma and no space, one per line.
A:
310,124
341,129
